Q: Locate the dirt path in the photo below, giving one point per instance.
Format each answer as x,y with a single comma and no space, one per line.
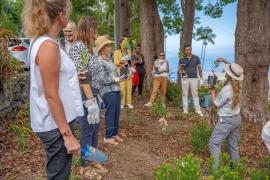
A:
144,148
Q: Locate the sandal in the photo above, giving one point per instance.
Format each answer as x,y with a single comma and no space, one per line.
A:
89,173
110,141
117,138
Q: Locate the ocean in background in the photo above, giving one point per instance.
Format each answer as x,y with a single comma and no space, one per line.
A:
173,62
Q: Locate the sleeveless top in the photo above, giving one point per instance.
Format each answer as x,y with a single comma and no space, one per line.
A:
42,119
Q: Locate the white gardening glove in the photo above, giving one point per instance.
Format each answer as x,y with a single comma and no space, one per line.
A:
93,111
201,81
116,79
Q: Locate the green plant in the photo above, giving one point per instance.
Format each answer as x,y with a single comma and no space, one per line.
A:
76,161
187,168
200,137
174,92
180,55
227,169
21,126
83,57
257,174
202,90
169,130
22,143
158,108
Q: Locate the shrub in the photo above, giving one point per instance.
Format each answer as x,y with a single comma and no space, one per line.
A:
202,90
200,137
189,168
158,108
174,93
186,168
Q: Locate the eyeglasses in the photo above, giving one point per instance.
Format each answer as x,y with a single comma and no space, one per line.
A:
161,55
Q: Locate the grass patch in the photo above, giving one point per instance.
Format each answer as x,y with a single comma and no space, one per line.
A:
136,119
169,130
76,161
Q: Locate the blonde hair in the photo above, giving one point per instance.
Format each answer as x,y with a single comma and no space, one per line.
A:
39,15
236,87
85,26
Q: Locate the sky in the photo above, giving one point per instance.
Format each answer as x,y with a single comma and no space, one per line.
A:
223,27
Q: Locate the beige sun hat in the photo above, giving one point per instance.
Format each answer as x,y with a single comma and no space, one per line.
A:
235,71
101,42
266,135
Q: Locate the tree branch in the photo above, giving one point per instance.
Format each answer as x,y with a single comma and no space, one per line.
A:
183,7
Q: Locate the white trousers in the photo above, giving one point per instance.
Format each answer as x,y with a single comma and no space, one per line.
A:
193,84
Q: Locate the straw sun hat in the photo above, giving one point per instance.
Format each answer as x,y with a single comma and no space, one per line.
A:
235,71
101,42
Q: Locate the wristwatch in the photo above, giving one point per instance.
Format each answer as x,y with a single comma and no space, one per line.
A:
67,133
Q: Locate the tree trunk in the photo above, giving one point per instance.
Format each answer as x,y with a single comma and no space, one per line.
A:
189,15
125,18
203,55
152,37
117,30
188,7
252,45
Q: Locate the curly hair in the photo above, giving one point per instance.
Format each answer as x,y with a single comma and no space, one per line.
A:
87,24
236,87
39,15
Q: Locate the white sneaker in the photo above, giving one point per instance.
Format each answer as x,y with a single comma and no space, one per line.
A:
149,104
122,106
199,112
130,106
185,111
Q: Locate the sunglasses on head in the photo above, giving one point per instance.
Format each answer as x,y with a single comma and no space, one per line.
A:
161,55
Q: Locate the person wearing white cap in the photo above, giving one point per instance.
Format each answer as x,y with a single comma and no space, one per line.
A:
227,102
266,135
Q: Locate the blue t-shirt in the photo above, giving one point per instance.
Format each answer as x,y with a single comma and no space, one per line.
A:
190,66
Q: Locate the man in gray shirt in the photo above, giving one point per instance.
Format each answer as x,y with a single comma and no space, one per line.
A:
189,67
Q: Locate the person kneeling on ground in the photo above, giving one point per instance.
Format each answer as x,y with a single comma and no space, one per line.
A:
227,102
109,90
160,73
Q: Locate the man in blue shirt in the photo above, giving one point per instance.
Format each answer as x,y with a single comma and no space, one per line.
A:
189,67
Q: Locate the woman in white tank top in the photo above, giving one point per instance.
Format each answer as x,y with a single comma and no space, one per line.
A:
55,99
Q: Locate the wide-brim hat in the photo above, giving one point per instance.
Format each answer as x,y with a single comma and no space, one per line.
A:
101,42
266,134
235,71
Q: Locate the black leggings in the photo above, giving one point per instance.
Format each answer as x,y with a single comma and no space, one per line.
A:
140,86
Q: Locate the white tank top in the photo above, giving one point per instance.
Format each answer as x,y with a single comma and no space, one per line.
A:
42,119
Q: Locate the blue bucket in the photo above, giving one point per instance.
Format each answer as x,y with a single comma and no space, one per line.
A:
205,101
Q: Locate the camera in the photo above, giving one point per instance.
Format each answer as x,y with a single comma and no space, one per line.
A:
212,81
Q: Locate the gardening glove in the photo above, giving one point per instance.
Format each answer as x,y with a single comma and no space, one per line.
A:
93,111
116,79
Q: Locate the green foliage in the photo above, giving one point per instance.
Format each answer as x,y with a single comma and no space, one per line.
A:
202,90
180,55
214,8
158,108
10,15
205,34
187,168
262,174
169,130
171,18
200,137
83,57
174,92
21,126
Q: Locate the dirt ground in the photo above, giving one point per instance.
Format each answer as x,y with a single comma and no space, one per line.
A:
145,147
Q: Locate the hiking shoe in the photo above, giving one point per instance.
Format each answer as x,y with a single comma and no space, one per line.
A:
149,104
199,112
185,111
130,106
